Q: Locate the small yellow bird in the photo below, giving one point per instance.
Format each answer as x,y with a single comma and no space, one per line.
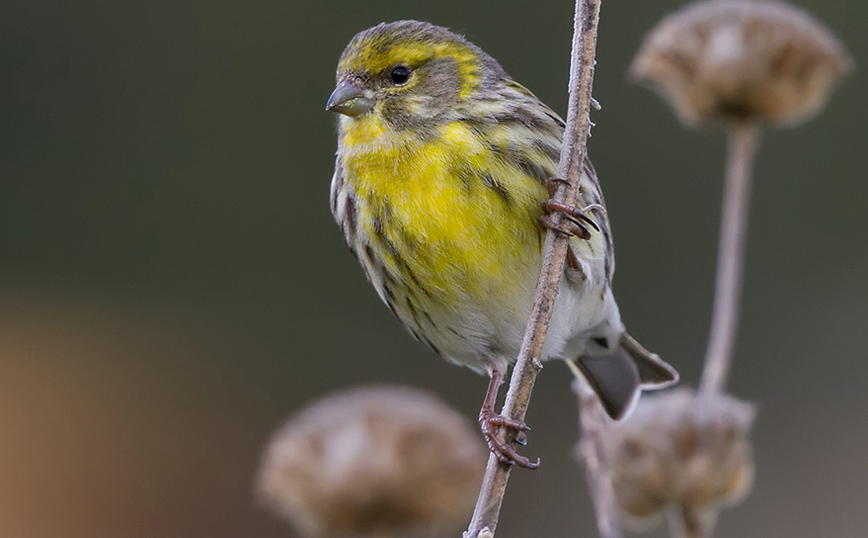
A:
443,173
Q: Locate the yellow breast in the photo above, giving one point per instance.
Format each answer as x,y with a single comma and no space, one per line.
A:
444,211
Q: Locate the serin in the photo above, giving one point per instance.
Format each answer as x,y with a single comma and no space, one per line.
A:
443,172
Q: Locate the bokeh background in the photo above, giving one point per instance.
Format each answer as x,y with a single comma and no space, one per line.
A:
172,285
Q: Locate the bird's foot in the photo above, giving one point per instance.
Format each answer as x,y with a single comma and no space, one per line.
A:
490,422
552,185
576,220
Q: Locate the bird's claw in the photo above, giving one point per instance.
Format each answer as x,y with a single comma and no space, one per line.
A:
552,185
576,220
505,453
570,228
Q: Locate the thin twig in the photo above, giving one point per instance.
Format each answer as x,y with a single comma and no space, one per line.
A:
743,139
591,449
573,154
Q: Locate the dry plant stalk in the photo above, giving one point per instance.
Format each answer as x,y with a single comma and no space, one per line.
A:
373,462
690,453
573,155
689,523
738,63
592,449
735,63
743,138
722,60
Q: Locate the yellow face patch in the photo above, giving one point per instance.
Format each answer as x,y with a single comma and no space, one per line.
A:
372,56
364,130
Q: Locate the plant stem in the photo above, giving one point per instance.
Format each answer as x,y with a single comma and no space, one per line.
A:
573,154
743,139
687,522
593,452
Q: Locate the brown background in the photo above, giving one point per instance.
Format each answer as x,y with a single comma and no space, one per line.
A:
172,285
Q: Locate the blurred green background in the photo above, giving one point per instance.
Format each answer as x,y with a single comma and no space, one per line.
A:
172,285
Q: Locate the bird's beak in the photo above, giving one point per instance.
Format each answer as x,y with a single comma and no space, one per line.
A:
348,99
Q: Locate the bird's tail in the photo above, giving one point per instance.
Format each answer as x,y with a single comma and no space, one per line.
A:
619,378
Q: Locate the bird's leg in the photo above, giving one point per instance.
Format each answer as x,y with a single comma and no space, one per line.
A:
490,422
576,217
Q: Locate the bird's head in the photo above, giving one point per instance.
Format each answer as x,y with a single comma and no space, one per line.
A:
410,74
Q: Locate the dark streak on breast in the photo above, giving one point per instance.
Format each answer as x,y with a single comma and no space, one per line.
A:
533,168
350,218
379,223
412,308
494,184
465,174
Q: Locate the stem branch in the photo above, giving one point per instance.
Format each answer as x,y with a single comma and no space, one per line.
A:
593,451
573,155
742,141
686,522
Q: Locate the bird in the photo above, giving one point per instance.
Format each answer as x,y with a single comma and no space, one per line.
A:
442,189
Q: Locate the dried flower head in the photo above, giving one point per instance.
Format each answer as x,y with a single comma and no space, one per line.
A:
381,461
681,449
741,59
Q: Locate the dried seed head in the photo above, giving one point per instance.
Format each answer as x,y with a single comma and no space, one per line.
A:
741,59
373,462
681,449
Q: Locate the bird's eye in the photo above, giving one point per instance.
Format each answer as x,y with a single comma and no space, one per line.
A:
399,75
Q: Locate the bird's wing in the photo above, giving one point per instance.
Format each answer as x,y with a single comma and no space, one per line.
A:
542,106
600,245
